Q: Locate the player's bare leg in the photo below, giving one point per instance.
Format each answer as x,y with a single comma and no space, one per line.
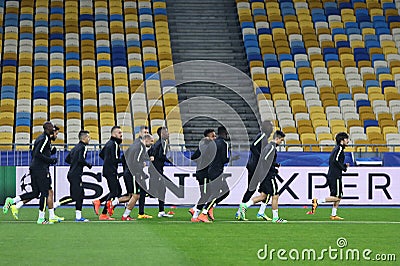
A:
131,204
275,214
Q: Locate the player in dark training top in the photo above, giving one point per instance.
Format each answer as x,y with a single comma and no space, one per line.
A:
77,159
334,177
40,175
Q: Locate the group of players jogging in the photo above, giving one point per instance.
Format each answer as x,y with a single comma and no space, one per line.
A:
211,156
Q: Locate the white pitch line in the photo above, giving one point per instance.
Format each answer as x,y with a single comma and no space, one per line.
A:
223,221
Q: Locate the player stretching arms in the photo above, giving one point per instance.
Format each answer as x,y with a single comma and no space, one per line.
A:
77,159
268,187
336,167
134,175
256,146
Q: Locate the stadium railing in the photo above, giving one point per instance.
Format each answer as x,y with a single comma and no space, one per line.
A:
15,157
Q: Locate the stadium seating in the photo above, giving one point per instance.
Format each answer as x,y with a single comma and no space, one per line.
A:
79,65
325,67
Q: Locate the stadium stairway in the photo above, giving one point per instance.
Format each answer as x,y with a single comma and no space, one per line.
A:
210,30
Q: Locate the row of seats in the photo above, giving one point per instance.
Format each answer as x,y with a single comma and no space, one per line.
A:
308,57
80,63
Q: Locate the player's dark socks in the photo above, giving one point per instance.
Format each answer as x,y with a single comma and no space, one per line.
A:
78,204
200,206
104,209
222,198
65,200
161,205
247,196
142,200
103,199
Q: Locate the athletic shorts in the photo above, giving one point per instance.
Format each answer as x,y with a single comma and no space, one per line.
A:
132,187
114,186
41,179
75,187
269,186
335,187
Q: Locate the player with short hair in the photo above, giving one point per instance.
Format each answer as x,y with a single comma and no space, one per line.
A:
50,199
334,177
134,175
260,141
111,158
203,157
268,187
143,130
40,176
158,157
77,159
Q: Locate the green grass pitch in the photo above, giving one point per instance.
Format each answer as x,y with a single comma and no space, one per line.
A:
176,241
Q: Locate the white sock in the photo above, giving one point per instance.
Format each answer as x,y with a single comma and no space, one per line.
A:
334,211
262,208
321,200
19,204
196,214
163,212
204,211
238,210
51,213
126,212
275,214
56,204
249,203
115,202
78,214
16,199
41,215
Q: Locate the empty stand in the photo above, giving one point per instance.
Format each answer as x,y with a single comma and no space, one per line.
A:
209,30
333,62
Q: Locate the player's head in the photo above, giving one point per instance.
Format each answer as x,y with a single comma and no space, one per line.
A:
143,130
48,128
148,140
163,133
267,127
279,137
342,138
210,133
223,133
84,136
116,132
55,133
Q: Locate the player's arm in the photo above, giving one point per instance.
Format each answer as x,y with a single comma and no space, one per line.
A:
196,155
224,152
39,151
82,157
101,154
255,146
68,158
114,155
161,155
337,161
136,162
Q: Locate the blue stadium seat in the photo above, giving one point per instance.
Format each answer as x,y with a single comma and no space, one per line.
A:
360,103
370,123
